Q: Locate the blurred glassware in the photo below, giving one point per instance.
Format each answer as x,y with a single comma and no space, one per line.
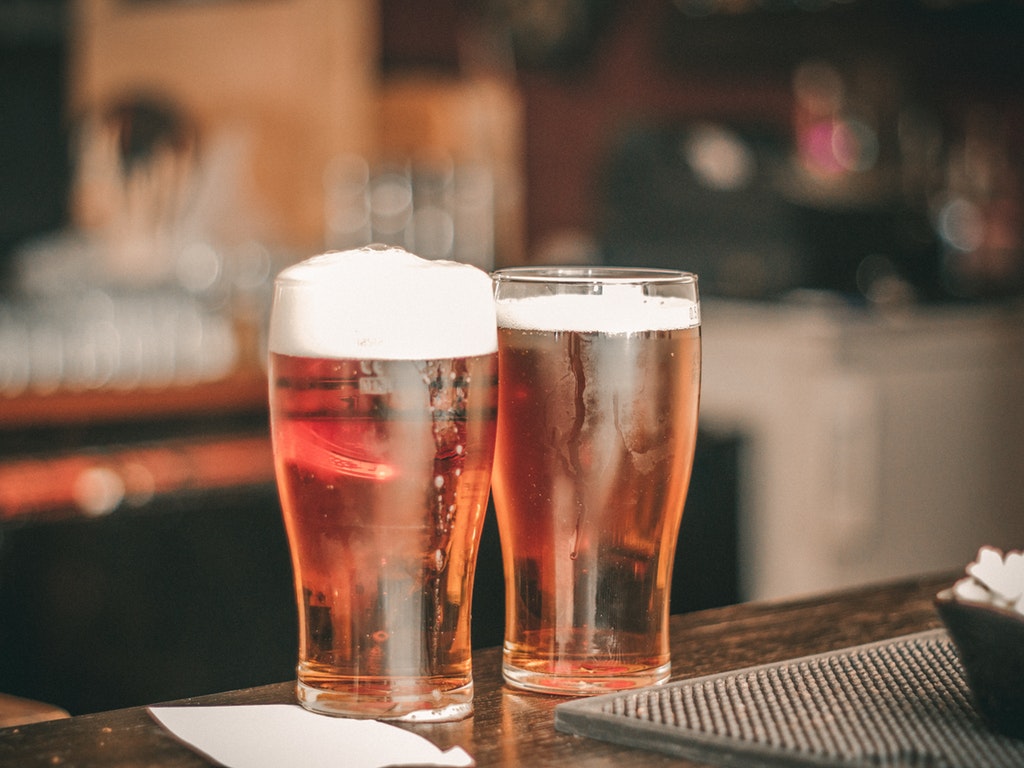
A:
123,340
978,213
162,277
435,208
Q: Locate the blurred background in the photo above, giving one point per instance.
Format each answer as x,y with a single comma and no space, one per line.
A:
846,177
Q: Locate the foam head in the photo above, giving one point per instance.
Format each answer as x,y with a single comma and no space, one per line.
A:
617,309
383,304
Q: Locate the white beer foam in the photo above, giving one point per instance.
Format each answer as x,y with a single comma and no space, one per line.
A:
620,309
384,304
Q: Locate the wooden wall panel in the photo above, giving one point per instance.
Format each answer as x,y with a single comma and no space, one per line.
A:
292,80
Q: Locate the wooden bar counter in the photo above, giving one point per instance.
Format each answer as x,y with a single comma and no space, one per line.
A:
516,729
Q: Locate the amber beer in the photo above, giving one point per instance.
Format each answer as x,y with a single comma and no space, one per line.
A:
383,466
597,424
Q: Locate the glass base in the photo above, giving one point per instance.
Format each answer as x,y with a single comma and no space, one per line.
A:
589,681
422,706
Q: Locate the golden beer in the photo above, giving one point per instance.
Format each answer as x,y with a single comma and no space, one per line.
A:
383,468
596,436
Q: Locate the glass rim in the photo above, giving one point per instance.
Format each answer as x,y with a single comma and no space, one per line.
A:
590,275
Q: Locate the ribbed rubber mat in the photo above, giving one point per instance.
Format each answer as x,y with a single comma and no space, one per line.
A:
901,702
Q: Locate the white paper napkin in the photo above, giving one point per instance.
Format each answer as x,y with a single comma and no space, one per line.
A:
272,735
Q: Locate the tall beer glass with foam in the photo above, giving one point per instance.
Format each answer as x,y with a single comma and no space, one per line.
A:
597,423
382,404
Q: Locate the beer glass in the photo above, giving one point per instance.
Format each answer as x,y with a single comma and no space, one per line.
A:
382,405
597,424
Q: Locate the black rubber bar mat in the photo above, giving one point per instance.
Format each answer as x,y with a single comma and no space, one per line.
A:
901,702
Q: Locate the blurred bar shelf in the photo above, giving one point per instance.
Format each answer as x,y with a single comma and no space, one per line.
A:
94,483
237,393
85,454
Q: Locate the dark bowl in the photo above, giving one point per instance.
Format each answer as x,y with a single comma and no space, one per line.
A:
990,642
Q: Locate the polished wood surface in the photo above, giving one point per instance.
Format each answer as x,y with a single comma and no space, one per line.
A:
514,729
15,710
